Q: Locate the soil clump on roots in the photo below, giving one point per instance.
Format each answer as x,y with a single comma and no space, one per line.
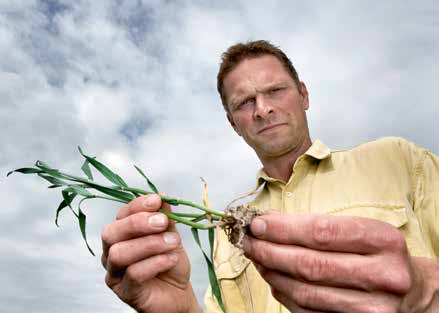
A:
236,221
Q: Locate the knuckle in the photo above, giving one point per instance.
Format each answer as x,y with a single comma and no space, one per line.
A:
125,210
137,223
312,268
106,234
391,274
399,280
261,253
304,296
114,257
132,273
324,231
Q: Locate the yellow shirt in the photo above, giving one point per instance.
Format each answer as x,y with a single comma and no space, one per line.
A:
389,179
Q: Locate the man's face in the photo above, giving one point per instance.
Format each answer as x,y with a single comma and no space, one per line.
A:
266,107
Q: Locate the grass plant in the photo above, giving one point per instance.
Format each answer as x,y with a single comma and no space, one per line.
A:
77,189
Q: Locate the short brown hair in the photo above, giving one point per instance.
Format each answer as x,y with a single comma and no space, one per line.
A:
241,51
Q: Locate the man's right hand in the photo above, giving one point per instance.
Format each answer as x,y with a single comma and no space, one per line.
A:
146,264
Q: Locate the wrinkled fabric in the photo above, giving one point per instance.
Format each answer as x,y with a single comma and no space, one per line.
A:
390,179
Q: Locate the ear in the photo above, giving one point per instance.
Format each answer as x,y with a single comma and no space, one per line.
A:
232,122
304,93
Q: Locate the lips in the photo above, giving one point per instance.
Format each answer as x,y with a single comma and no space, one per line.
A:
268,127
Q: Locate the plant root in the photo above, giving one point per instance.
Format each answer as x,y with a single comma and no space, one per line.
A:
236,221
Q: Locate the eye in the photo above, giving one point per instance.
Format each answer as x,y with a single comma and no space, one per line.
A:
245,103
275,90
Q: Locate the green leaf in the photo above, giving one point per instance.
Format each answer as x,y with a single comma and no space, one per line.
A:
127,197
79,190
52,180
54,186
150,184
104,170
86,169
26,170
212,276
68,198
82,225
51,171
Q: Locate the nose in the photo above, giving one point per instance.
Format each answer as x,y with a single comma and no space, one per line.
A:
263,108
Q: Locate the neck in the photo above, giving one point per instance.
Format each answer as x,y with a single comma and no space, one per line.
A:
281,167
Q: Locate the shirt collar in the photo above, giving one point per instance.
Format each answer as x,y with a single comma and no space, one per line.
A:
317,151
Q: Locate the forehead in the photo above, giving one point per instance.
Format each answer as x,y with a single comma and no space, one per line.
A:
254,73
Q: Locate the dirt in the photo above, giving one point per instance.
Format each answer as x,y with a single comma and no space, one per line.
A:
236,222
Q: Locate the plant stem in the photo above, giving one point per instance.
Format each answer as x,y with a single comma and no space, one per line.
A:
186,222
193,204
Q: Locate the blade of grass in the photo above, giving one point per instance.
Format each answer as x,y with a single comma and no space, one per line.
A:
104,170
111,192
68,199
63,204
79,190
86,169
212,276
26,170
82,225
150,184
48,170
53,180
54,186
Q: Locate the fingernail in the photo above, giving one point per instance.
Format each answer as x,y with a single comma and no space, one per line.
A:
258,227
149,201
157,220
246,245
173,256
170,238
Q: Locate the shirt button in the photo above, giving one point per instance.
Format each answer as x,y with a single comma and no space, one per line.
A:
289,194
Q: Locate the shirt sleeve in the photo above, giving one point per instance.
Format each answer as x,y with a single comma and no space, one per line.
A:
426,204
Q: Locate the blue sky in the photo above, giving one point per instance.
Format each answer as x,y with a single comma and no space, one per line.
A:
133,82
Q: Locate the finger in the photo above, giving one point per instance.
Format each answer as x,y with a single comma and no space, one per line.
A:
366,272
146,203
128,252
323,298
332,233
132,226
140,272
288,303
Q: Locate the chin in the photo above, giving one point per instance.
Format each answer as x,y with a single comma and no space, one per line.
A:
274,149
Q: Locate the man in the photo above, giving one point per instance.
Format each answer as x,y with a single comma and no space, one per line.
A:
346,231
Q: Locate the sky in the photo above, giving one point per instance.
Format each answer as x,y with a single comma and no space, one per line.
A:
134,82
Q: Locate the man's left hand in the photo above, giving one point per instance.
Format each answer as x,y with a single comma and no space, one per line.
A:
321,263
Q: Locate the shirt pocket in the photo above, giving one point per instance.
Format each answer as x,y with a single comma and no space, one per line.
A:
229,268
394,215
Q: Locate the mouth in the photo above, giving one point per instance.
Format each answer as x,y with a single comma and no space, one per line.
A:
269,127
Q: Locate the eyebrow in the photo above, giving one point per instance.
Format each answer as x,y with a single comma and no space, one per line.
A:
241,96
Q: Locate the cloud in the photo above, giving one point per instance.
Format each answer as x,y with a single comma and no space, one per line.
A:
133,82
